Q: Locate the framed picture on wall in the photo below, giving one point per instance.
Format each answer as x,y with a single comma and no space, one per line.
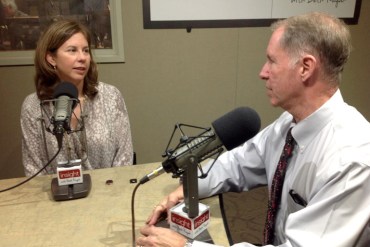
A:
238,13
23,21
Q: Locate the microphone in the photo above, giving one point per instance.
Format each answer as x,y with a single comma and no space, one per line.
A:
66,96
230,130
70,183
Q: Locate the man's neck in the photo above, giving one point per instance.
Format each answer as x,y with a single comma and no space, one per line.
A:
311,103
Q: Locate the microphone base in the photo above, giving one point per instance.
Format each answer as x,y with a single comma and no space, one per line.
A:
71,191
204,236
189,227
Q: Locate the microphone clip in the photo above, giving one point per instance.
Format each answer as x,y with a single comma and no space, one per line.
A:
60,127
185,146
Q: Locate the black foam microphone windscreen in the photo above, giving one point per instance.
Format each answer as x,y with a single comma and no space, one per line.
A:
237,126
66,89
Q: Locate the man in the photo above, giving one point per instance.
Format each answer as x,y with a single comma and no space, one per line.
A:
325,197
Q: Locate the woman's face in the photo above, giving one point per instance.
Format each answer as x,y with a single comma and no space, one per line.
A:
72,60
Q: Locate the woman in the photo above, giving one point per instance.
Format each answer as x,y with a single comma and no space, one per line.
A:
101,135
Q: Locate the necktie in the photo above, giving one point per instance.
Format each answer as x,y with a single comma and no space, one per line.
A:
276,188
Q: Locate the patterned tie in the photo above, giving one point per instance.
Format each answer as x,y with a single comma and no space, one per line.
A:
276,188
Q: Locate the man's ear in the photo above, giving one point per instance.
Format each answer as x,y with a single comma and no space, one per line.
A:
309,64
50,59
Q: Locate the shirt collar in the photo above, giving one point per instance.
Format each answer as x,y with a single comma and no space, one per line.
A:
304,131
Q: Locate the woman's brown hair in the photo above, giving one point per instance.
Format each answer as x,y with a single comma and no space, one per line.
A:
46,77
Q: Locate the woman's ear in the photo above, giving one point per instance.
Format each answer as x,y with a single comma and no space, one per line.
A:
50,59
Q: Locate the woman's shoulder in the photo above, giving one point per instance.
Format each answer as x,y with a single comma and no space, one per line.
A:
31,101
30,107
32,96
107,86
107,90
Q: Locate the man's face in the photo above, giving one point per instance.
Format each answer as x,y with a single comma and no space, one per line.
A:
281,75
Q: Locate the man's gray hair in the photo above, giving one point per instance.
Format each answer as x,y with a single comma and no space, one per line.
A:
318,34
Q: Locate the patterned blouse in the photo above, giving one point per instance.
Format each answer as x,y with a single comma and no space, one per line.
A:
101,139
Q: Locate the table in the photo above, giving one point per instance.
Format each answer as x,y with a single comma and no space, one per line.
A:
29,216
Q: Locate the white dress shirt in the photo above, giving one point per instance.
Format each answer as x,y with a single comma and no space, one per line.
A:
329,170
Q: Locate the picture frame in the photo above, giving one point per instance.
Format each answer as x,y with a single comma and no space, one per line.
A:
167,14
112,52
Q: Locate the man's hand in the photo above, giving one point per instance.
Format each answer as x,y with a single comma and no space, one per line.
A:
166,204
159,236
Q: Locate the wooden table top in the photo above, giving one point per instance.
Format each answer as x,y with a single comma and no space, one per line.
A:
30,217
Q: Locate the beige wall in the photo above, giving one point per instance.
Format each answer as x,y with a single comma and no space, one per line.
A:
173,76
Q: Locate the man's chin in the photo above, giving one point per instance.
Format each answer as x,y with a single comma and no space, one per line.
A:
274,103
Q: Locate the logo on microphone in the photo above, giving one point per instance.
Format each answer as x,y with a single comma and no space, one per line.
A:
201,219
181,221
189,227
70,174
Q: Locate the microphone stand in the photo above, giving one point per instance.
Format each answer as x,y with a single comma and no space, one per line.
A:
71,191
190,187
191,218
74,190
187,169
